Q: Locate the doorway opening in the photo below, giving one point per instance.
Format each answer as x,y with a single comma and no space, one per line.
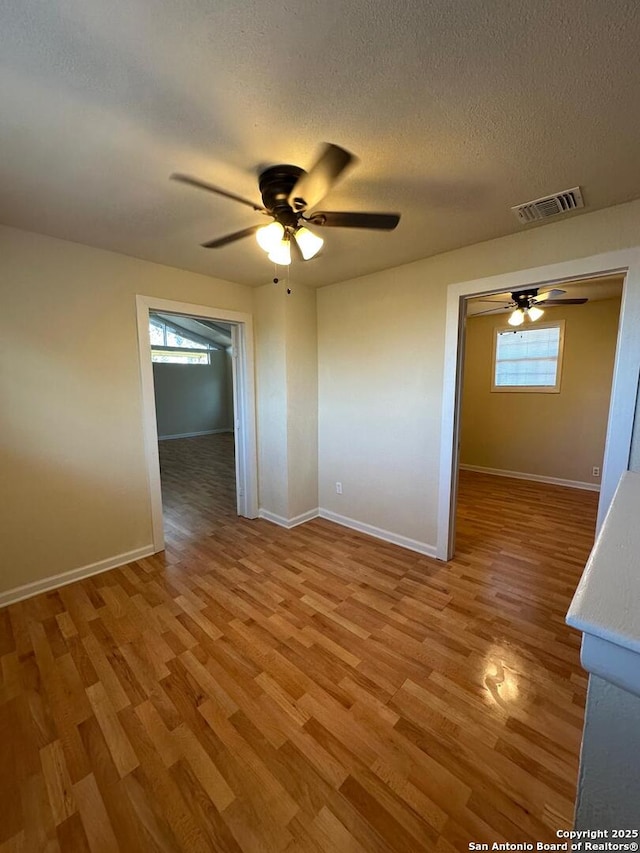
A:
535,392
193,386
196,367
623,264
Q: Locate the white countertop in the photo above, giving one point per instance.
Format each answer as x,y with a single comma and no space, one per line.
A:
606,605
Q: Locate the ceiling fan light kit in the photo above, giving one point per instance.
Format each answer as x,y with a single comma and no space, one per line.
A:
269,236
275,240
534,313
308,242
521,314
289,194
281,253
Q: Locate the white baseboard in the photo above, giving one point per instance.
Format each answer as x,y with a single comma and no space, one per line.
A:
536,478
287,522
194,434
361,527
379,533
28,590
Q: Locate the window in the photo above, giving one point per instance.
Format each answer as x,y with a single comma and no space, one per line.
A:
528,359
182,356
172,345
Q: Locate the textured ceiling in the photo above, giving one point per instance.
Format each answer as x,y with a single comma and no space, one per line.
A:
456,110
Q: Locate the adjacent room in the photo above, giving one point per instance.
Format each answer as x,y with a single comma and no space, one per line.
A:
320,430
535,395
193,395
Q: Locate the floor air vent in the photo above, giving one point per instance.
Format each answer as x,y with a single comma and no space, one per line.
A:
550,205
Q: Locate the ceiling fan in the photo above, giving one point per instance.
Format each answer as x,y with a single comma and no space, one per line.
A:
289,197
524,304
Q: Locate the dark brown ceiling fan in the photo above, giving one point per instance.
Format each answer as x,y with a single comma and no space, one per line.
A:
289,197
525,304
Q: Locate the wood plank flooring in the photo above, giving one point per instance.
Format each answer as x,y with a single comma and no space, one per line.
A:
257,689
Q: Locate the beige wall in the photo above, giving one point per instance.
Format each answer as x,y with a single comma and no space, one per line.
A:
380,342
287,373
381,352
193,397
302,401
271,389
553,435
73,486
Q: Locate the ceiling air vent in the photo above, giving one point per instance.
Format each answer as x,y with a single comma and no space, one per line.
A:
550,205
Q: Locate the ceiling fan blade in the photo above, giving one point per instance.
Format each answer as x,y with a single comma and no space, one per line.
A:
497,310
316,183
230,238
203,185
549,294
565,301
343,219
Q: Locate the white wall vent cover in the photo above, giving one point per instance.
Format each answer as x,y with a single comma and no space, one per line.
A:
550,205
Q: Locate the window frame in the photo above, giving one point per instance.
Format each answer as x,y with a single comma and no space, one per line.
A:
529,389
201,344
186,351
187,334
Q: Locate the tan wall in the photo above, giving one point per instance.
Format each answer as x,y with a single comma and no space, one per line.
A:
380,341
271,389
302,400
553,435
74,486
381,353
287,372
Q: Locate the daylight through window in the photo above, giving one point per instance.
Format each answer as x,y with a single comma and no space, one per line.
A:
173,346
528,359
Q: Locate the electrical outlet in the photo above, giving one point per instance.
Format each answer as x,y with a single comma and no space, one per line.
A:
595,471
338,488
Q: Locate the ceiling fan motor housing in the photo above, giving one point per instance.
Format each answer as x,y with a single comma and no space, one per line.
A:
276,184
525,298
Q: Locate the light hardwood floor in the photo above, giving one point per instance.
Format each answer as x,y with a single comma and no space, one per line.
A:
257,689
